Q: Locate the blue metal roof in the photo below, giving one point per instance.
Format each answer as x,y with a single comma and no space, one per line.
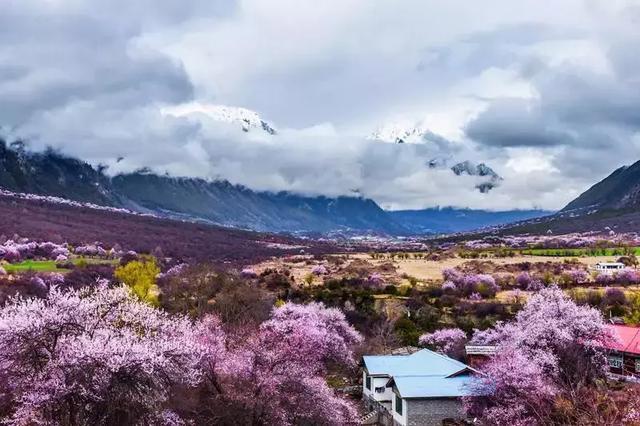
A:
424,374
421,363
433,386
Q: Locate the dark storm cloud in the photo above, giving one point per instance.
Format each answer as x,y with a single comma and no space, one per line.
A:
575,106
95,79
58,54
516,123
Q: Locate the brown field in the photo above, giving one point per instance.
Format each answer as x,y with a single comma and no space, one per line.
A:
421,269
427,270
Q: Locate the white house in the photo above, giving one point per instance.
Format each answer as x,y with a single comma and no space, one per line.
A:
423,388
608,267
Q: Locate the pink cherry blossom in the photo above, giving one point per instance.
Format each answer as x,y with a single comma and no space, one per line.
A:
319,270
447,340
87,357
552,345
276,377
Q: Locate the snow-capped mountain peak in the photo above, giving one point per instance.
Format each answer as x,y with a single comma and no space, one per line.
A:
247,119
399,133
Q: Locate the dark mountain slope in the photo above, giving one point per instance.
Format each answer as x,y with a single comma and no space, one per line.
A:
220,202
611,205
233,205
43,220
619,190
50,173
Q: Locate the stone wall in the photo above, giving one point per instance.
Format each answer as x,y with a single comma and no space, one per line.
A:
431,412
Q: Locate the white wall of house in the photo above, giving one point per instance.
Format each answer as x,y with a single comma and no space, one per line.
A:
400,418
377,382
608,267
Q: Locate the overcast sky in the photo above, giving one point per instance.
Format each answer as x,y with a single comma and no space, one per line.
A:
546,93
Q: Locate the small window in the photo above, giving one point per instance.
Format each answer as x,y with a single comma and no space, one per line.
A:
368,382
398,405
615,361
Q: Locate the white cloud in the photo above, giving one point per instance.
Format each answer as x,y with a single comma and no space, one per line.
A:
544,95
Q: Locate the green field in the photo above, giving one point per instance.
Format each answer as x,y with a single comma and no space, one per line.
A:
580,252
33,265
50,265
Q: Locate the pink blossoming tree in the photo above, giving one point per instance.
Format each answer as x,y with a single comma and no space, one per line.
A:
92,357
100,356
277,376
448,341
551,347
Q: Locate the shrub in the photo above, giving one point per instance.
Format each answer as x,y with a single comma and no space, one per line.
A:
140,277
604,279
577,276
407,331
614,301
523,280
248,273
627,277
375,280
319,270
449,287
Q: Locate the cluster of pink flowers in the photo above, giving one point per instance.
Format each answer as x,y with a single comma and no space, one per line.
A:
248,273
21,249
483,285
573,240
628,276
536,354
15,251
106,355
578,276
449,287
475,297
446,340
625,277
525,281
46,281
319,270
375,280
174,271
96,342
478,244
94,249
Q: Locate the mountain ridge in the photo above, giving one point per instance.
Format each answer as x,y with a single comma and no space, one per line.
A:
220,202
619,190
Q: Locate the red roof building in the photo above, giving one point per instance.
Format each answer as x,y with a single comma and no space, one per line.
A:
624,356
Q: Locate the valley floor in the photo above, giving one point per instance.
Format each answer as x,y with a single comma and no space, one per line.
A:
420,269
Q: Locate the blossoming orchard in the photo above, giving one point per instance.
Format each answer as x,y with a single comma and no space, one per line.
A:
97,333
